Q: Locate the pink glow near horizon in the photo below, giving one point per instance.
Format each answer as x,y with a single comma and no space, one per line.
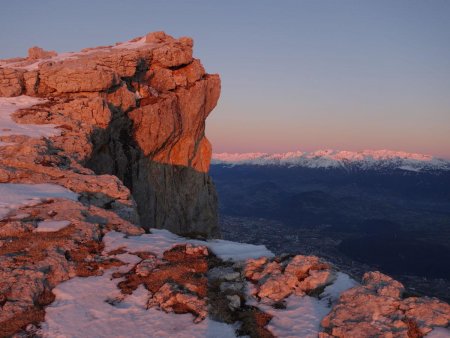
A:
326,153
302,133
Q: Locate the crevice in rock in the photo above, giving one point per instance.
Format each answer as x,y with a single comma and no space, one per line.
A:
227,299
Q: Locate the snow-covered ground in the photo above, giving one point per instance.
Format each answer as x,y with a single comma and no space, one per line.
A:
51,226
367,159
9,105
83,306
82,309
439,332
14,196
161,240
131,44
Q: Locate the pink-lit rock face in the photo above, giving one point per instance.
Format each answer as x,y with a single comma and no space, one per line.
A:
126,123
135,110
278,279
376,309
11,82
158,70
36,53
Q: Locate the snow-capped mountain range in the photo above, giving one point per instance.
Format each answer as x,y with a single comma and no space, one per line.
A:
365,160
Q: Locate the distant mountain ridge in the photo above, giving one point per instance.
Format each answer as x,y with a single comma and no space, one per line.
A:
329,159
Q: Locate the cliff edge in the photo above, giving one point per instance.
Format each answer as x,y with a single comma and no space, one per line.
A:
135,110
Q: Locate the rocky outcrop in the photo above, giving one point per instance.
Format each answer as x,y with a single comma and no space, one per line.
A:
177,282
135,110
11,82
121,136
378,309
278,279
36,53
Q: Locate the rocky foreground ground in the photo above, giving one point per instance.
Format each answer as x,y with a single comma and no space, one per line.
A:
115,144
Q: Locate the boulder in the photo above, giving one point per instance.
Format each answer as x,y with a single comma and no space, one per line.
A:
35,53
11,82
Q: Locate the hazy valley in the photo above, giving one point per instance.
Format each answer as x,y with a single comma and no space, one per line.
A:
360,218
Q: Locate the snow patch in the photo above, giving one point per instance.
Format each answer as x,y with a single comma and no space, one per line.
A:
161,240
85,307
95,307
131,44
9,105
439,332
13,196
51,226
301,318
342,282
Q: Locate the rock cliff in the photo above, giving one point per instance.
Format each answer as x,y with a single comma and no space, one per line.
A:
135,110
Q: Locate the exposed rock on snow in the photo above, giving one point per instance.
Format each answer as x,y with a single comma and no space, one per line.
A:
82,310
33,263
161,240
184,279
276,280
377,309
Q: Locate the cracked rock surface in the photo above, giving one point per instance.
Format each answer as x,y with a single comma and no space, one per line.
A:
135,110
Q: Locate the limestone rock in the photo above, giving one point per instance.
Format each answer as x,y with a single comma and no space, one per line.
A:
136,110
299,275
36,53
11,82
174,53
169,299
383,285
377,309
157,37
122,98
31,80
235,302
131,139
77,76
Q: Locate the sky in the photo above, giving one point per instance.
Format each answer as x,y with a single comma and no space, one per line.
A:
296,75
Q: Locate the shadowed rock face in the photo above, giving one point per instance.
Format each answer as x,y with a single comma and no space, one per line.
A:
174,197
136,110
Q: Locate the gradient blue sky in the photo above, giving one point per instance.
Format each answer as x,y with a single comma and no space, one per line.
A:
301,75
